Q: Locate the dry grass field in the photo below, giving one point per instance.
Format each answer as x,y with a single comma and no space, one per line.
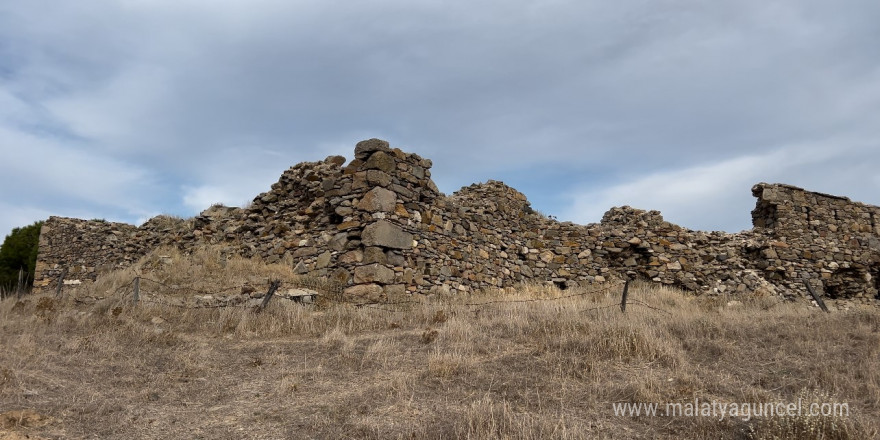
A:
494,365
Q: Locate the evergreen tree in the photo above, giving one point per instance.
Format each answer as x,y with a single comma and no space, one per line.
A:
19,252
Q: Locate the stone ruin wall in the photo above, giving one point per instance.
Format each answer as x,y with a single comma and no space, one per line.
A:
380,228
829,239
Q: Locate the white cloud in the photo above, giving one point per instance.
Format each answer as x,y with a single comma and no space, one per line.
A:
684,196
234,176
202,197
54,169
137,107
717,196
16,216
113,114
12,108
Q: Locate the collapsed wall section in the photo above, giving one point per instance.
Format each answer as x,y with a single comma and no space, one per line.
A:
379,228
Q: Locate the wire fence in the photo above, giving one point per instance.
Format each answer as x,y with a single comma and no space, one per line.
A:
143,289
150,291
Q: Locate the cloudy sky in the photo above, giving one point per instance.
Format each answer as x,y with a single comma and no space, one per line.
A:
130,108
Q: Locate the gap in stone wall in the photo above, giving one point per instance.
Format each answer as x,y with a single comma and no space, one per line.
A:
764,215
845,283
875,273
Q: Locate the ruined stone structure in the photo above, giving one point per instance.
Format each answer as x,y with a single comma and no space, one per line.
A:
380,228
818,235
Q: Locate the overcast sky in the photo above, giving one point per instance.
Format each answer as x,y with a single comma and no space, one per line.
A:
127,109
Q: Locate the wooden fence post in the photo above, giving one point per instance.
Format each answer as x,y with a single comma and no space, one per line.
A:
19,288
60,283
272,288
623,299
136,293
814,295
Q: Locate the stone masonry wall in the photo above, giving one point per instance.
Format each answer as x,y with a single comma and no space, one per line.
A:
830,239
380,227
84,248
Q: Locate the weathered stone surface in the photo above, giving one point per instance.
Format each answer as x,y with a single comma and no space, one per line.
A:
338,242
378,200
394,258
380,161
373,273
350,257
299,294
305,251
348,225
364,293
378,178
301,268
386,234
395,291
335,160
374,254
364,149
323,260
341,276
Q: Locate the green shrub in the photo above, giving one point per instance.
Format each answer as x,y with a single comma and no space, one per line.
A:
19,252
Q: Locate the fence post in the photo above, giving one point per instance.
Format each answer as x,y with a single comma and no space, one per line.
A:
814,295
19,290
137,288
272,288
623,299
60,283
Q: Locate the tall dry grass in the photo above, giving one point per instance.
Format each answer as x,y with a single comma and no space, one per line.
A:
492,365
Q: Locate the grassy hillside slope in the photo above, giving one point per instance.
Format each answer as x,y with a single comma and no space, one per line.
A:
530,363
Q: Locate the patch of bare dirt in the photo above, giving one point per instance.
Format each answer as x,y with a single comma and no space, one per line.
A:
18,424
